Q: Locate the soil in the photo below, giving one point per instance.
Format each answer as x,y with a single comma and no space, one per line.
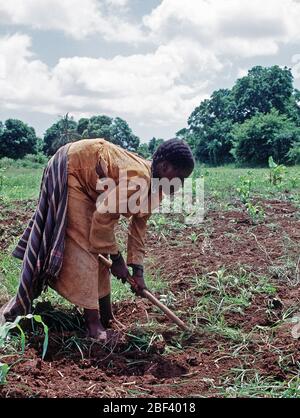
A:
199,366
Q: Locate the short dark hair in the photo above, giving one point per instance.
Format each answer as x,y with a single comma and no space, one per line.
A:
177,152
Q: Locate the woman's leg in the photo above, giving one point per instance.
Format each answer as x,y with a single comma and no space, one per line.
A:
104,295
106,314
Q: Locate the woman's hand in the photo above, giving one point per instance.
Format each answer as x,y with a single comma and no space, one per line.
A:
137,280
119,268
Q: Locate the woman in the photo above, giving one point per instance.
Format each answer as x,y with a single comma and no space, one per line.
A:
82,280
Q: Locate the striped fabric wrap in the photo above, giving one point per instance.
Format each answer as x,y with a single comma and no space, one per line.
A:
41,246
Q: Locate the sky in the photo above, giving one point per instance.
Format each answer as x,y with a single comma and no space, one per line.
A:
150,62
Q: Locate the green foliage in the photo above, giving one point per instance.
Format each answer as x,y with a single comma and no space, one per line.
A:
115,130
143,151
255,212
194,237
261,90
123,136
96,127
277,172
2,177
59,134
82,126
244,188
224,292
4,369
154,144
9,326
147,150
262,136
220,127
210,128
68,130
294,153
17,139
29,161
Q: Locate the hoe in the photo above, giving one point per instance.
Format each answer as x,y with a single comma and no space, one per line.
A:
151,298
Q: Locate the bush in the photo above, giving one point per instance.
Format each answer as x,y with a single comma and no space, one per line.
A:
262,136
17,139
6,162
29,161
294,154
34,159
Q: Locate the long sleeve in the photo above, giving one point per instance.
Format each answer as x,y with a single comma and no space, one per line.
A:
102,232
136,239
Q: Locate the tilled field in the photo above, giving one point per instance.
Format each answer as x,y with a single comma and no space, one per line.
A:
235,282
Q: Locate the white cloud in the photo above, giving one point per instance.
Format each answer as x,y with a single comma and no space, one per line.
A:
117,3
158,87
231,27
76,18
24,81
193,47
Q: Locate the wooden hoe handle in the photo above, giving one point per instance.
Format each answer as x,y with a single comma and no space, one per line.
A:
151,298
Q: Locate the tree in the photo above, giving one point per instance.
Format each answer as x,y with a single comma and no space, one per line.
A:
59,134
82,125
154,143
210,127
263,136
294,153
143,151
115,130
17,139
123,136
211,124
261,90
98,127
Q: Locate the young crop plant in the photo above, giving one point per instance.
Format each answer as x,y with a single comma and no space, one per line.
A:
277,172
4,343
2,177
244,188
256,212
194,237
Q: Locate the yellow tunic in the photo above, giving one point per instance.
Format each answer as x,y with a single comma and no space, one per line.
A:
82,279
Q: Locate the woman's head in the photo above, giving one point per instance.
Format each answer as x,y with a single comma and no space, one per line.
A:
173,159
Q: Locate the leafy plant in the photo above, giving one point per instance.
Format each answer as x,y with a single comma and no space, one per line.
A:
194,237
244,188
4,369
277,172
256,212
2,177
9,326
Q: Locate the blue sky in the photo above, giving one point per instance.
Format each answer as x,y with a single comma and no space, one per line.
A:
148,61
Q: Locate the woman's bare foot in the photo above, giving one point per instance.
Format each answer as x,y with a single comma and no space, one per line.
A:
95,329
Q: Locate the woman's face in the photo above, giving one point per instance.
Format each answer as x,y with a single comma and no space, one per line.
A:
165,169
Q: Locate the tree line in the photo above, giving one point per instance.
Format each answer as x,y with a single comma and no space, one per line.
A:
258,118
17,139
